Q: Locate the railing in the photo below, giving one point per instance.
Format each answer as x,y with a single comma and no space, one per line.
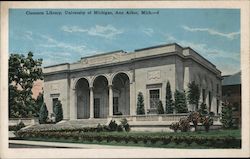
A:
156,117
151,117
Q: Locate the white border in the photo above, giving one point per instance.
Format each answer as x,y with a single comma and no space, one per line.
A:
125,153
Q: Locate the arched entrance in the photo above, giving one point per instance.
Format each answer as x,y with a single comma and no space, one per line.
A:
121,94
82,94
101,97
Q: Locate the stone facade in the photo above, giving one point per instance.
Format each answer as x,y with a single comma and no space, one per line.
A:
104,85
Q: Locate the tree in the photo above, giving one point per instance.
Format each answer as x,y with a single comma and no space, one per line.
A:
160,109
43,114
169,100
203,109
140,104
58,111
23,71
227,116
193,94
180,102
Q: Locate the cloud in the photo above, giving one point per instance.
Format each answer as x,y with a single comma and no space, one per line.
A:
148,31
216,55
210,31
53,43
28,35
108,31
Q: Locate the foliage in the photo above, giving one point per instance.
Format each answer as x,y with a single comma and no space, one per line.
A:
23,72
119,128
160,109
140,104
169,100
193,94
58,111
175,126
227,116
180,102
17,127
124,123
112,125
207,122
43,114
203,109
147,139
195,118
184,124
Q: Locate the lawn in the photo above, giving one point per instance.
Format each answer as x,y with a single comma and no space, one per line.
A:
189,140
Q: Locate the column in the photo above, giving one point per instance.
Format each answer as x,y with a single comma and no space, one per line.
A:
73,104
91,102
132,99
110,100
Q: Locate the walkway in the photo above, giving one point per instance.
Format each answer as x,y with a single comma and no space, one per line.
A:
44,144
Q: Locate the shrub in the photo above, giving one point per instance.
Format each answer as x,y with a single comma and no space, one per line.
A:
112,125
175,126
193,94
58,111
99,128
184,125
17,127
180,102
43,114
195,118
125,125
169,100
203,109
207,122
140,104
227,116
160,109
119,128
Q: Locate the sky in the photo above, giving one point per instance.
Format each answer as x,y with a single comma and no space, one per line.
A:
60,38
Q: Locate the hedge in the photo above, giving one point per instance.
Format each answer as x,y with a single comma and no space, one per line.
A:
217,142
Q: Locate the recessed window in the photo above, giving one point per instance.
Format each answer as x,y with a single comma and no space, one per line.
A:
154,97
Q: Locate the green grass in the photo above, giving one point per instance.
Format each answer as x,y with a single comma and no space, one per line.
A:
211,134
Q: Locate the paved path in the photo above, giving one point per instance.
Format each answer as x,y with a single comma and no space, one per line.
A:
44,144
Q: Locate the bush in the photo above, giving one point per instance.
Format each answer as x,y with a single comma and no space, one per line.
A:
17,127
58,111
184,125
125,125
43,114
160,109
169,100
207,122
203,109
99,128
175,126
140,104
195,118
227,116
119,128
112,125
180,102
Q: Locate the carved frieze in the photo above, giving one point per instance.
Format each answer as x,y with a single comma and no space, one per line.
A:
154,75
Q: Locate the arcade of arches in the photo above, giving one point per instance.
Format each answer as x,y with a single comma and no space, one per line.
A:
103,100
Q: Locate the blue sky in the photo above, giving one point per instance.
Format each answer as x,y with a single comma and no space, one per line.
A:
214,33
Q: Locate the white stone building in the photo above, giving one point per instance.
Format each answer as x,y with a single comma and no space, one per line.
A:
103,85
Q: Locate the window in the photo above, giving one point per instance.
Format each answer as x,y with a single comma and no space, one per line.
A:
203,96
210,100
154,97
217,106
115,105
54,101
